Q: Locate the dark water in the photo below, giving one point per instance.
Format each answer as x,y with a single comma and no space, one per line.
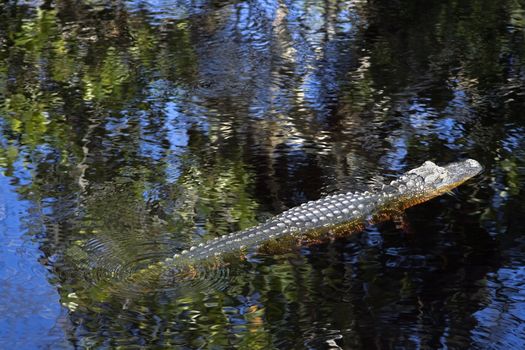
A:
130,130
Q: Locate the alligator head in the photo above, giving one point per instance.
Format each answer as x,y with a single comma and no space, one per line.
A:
430,180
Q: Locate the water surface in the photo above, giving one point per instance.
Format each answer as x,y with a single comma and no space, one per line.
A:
130,130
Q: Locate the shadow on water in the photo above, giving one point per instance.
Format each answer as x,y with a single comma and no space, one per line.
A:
131,130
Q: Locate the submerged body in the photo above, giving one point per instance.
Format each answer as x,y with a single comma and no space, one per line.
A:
334,215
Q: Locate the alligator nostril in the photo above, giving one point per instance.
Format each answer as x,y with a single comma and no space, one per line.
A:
473,163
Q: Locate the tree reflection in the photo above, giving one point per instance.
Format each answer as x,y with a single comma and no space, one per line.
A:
137,129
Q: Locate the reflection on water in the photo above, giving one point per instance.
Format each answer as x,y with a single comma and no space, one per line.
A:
131,130
30,307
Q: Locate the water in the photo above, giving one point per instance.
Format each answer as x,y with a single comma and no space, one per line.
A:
132,130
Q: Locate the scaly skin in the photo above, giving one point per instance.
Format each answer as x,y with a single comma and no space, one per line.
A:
330,216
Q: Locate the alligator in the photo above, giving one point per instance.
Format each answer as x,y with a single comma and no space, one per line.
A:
332,216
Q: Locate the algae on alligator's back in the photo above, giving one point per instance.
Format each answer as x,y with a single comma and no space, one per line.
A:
328,217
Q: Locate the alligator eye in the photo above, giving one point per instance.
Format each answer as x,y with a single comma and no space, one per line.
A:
431,178
428,163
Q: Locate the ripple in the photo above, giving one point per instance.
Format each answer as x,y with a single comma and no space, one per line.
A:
111,262
171,280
